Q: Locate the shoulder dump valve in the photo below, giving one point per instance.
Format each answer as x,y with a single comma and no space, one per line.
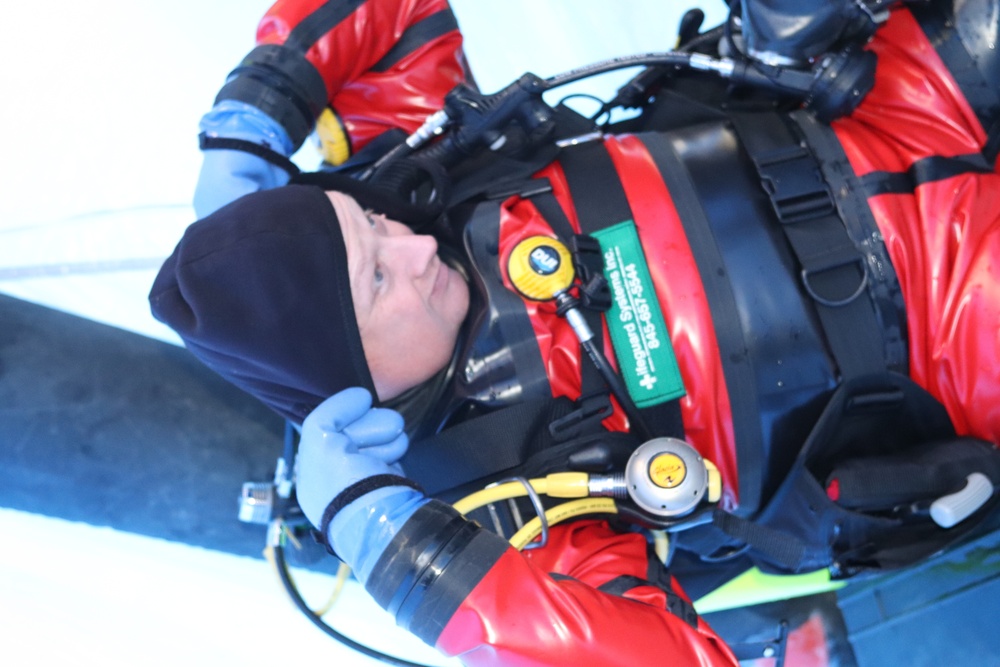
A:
540,268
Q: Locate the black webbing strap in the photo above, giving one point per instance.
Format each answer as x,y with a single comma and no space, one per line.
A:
485,445
833,271
321,21
852,203
778,547
596,188
926,170
417,35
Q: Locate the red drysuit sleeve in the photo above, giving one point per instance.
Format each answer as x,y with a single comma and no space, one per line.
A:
545,607
385,63
591,596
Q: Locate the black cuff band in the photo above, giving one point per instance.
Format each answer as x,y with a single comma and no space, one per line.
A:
431,566
352,493
282,83
207,143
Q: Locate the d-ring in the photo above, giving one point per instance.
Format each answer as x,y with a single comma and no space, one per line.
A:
860,261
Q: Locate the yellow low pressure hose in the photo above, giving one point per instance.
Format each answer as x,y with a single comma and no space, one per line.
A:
556,485
573,508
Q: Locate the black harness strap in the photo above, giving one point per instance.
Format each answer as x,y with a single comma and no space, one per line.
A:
833,271
595,185
851,195
483,446
600,202
778,547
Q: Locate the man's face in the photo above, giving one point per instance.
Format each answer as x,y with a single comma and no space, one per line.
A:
409,304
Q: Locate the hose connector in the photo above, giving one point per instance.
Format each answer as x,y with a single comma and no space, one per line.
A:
432,127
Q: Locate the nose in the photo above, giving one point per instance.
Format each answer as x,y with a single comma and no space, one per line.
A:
414,254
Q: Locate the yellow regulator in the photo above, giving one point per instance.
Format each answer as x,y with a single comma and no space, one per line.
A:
540,268
668,477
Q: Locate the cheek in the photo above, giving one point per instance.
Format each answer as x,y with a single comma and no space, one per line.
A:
426,332
415,347
457,305
410,326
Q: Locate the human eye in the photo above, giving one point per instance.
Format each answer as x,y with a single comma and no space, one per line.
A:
379,277
371,217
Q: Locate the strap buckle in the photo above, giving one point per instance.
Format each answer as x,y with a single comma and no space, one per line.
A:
588,259
591,411
792,180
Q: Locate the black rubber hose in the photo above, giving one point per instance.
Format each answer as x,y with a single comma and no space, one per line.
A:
669,58
637,424
293,592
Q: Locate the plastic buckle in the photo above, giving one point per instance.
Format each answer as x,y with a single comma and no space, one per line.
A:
795,185
531,187
591,410
588,259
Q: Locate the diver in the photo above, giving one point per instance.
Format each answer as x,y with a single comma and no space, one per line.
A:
752,263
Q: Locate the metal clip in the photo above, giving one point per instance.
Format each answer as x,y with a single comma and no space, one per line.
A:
536,502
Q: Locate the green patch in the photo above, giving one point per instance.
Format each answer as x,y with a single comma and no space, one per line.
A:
639,333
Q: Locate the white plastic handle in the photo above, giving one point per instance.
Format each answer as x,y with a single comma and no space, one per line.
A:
953,508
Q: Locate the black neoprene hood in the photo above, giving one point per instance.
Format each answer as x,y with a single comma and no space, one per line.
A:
259,291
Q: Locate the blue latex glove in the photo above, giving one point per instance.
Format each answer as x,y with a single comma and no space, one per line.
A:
345,441
227,175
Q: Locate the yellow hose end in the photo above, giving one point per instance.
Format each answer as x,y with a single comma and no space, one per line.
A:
714,492
567,484
333,142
